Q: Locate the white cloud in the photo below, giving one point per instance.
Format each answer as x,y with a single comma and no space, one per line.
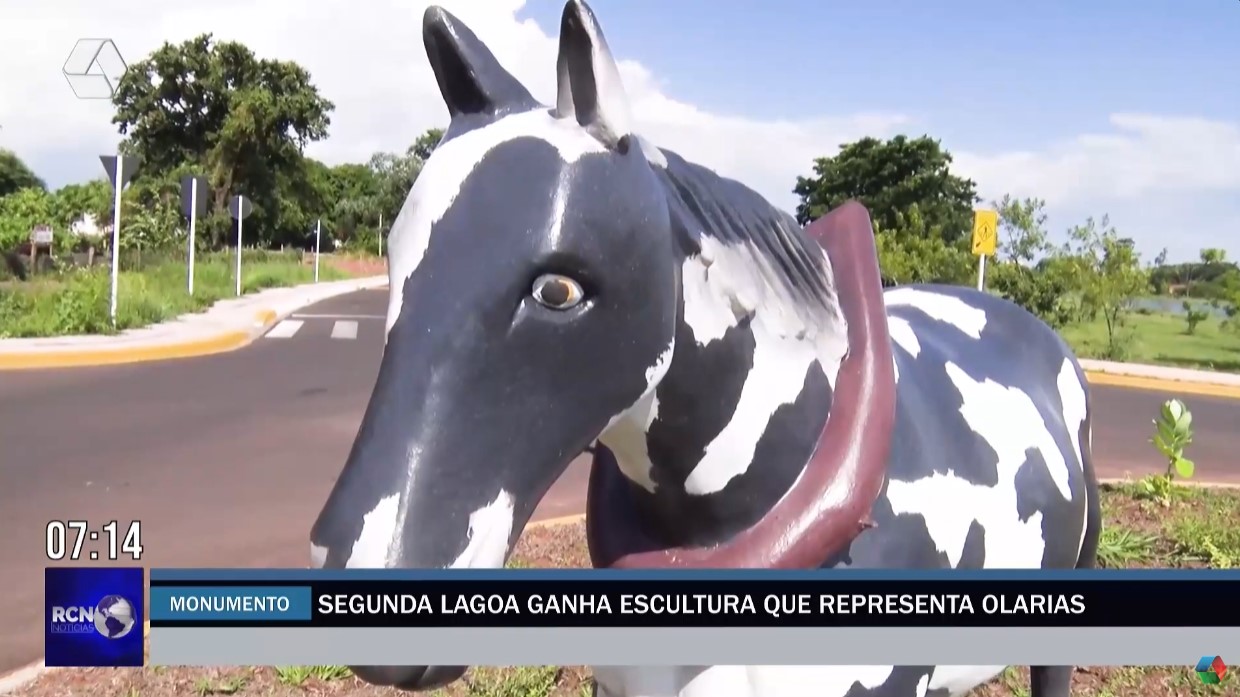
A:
368,58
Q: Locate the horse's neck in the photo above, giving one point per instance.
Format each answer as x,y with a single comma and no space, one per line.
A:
726,433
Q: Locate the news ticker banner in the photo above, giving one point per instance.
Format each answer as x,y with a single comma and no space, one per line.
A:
595,617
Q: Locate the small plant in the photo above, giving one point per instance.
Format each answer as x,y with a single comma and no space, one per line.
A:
1193,317
1173,433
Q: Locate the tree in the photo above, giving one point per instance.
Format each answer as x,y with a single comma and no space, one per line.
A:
889,178
1213,255
395,172
1044,291
1022,229
907,254
1109,274
14,174
217,107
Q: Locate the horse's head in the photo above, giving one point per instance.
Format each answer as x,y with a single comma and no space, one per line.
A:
533,299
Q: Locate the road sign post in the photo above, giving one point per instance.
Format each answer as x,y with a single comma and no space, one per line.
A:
985,237
121,169
239,207
194,195
318,234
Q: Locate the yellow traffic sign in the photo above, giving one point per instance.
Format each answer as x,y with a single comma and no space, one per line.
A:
985,232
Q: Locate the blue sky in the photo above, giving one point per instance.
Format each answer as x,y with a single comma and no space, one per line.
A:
993,74
986,76
1127,108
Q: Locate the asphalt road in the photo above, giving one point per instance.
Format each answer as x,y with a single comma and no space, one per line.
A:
226,459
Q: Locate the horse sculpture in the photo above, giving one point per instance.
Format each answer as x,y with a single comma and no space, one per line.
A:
752,397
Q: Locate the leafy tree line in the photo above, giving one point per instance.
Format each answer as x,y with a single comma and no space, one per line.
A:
923,217
216,109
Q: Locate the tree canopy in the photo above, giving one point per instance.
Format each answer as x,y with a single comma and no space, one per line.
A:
892,178
14,174
241,120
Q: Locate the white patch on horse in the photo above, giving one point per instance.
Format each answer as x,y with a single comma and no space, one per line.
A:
991,410
903,335
945,308
318,556
738,681
960,680
625,433
725,283
1072,397
490,528
710,307
776,378
440,180
373,546
1008,421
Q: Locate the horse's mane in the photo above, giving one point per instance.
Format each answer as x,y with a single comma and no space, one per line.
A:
737,216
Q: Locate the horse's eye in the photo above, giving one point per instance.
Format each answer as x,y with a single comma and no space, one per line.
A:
557,292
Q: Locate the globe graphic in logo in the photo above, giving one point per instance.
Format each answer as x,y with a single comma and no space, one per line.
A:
114,617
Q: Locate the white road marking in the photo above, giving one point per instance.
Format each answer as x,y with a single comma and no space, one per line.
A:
285,329
344,329
311,315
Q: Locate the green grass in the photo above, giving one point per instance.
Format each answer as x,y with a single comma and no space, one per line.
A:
1162,339
77,301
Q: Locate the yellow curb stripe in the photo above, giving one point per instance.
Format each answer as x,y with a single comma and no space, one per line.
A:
220,343
1162,385
555,522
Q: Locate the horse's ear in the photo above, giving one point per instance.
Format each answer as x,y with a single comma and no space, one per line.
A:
470,79
589,83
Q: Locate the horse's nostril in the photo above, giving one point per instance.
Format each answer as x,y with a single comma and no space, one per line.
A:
413,678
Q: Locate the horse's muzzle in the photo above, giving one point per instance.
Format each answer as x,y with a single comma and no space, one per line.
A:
413,678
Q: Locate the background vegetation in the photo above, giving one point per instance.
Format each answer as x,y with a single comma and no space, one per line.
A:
216,109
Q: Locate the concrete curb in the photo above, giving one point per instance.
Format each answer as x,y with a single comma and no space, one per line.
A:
1162,378
236,332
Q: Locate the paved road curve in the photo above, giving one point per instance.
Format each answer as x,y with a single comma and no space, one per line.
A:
226,459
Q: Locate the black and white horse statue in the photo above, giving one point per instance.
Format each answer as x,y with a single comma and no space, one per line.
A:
755,398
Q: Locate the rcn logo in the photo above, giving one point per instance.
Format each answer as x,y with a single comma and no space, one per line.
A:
112,617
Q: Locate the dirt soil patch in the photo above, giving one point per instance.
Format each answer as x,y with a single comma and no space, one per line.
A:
357,267
1197,529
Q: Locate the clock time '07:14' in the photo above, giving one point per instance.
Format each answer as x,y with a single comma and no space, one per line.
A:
107,542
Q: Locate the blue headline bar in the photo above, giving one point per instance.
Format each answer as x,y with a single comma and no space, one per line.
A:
946,575
230,603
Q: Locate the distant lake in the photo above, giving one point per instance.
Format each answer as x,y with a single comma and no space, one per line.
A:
1175,306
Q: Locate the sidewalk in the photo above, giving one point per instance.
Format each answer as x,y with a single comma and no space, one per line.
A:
227,325
1157,377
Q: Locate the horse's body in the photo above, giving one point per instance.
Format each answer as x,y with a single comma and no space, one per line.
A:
990,468
557,282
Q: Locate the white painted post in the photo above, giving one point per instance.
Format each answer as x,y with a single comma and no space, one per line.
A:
116,232
193,224
318,232
240,219
380,234
981,270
